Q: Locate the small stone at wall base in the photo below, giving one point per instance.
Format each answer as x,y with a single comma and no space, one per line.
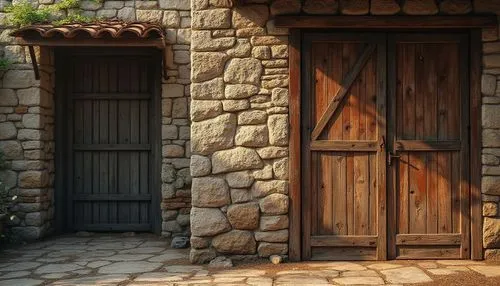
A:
201,255
28,233
267,249
180,242
199,242
276,259
220,262
491,232
492,254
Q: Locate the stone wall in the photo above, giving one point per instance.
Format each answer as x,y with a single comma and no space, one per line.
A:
240,123
27,140
239,140
20,96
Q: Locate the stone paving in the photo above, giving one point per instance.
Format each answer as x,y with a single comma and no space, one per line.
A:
147,260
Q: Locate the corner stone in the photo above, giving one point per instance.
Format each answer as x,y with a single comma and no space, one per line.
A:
213,134
208,222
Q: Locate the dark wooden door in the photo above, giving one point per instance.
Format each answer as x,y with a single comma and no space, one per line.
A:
110,140
429,190
343,188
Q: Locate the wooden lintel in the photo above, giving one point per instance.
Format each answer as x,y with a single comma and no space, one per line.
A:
158,43
394,22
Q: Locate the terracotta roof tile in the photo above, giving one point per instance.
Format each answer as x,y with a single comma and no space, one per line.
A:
108,29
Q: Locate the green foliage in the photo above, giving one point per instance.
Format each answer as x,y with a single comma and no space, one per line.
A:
4,64
23,13
62,12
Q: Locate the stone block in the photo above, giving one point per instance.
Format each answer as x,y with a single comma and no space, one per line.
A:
30,134
33,179
263,188
169,132
274,204
7,130
261,52
420,7
250,16
488,84
235,159
278,129
201,256
206,66
491,116
269,223
211,89
241,49
175,4
491,138
35,218
252,136
240,91
206,109
200,166
491,232
272,152
172,90
490,185
210,192
8,98
246,70
492,254
490,209
208,222
126,14
171,19
213,134
280,169
285,7
235,242
321,7
243,179
172,151
12,150
272,236
8,178
487,6
251,117
234,105
211,19
267,249
199,242
202,41
153,16
240,196
354,7
384,7
244,216
180,108
455,7
28,233
34,121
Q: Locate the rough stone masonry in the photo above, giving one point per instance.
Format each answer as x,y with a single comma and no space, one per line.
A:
227,67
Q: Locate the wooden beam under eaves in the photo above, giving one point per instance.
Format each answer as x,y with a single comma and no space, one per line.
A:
387,22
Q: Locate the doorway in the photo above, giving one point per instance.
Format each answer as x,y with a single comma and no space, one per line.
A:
107,104
385,146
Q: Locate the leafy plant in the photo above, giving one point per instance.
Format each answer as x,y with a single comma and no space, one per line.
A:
24,13
4,64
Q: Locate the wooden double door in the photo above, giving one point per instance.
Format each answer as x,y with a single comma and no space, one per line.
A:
385,158
108,126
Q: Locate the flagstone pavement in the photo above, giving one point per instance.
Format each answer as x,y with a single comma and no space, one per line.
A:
145,259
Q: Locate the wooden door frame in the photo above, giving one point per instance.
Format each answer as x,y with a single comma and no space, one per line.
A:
295,168
63,200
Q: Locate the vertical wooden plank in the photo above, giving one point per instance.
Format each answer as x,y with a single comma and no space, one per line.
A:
403,192
124,138
340,199
406,74
361,192
347,127
334,79
393,93
418,193
432,192
113,139
475,145
326,193
444,192
134,139
465,158
380,131
372,194
295,167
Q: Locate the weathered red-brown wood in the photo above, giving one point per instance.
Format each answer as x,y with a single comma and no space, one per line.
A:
341,130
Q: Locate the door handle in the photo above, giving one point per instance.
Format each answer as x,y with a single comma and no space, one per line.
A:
390,156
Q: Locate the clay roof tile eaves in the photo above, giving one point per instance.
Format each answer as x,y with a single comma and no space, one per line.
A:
113,29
